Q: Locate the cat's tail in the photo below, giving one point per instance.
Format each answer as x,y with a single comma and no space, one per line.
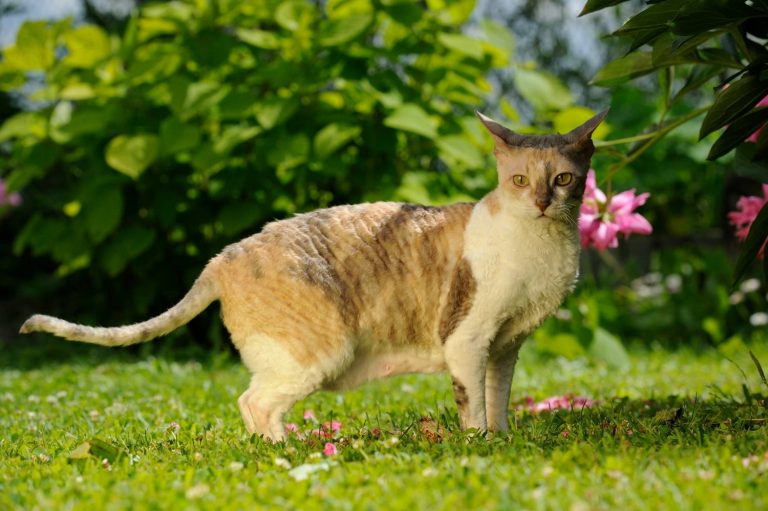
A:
203,292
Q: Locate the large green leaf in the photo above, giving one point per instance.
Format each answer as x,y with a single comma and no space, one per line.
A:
542,90
289,152
102,211
34,48
411,117
273,111
452,12
125,247
732,102
333,32
457,147
606,347
464,45
697,16
499,36
132,154
258,38
68,122
294,14
177,136
623,69
651,23
86,45
737,132
24,124
232,136
332,137
596,5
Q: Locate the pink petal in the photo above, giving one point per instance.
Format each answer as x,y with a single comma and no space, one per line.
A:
604,236
330,449
634,223
291,427
626,202
309,415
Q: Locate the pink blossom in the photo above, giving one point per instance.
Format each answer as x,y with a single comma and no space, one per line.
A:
558,403
753,136
601,218
291,427
330,449
309,415
12,200
748,208
333,426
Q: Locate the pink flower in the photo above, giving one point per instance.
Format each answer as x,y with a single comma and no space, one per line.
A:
748,208
12,200
291,427
558,403
753,136
330,449
174,427
333,426
602,219
309,415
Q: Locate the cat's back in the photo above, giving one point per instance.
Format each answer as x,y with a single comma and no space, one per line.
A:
384,266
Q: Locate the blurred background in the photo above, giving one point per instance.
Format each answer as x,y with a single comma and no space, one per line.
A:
137,139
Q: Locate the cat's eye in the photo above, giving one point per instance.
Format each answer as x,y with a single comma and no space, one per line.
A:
520,180
564,179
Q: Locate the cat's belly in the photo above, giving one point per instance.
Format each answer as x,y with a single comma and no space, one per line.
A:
369,366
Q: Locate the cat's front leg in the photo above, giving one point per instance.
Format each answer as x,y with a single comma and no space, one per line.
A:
498,380
467,358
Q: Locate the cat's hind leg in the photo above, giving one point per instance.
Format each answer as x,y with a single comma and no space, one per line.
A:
280,378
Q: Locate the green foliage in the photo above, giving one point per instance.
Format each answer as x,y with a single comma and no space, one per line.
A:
153,148
693,45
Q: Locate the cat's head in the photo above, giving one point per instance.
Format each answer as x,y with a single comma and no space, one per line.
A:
543,176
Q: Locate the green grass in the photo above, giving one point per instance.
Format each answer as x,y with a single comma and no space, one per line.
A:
671,432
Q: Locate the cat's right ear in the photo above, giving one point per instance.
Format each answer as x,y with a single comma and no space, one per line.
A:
503,137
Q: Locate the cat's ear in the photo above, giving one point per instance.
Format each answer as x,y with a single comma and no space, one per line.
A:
578,141
501,135
584,132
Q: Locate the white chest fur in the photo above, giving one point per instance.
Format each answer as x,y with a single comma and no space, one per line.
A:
524,268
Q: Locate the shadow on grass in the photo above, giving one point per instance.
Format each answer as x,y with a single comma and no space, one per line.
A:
38,351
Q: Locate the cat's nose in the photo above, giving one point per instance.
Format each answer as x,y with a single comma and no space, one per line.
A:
542,204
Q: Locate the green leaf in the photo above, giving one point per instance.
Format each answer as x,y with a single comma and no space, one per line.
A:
294,14
758,233
562,344
624,69
458,148
124,247
238,216
462,44
737,132
231,136
190,99
102,211
177,136
258,38
34,48
452,12
607,347
499,36
86,46
697,16
289,152
595,5
332,137
334,32
650,23
132,154
68,122
22,125
275,110
411,117
732,102
542,90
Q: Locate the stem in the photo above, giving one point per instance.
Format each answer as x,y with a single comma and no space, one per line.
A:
652,139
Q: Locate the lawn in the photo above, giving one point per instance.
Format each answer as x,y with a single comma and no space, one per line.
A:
677,430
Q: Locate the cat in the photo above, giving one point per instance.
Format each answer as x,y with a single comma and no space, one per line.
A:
340,296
